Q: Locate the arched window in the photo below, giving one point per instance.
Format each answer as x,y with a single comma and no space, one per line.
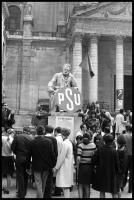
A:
13,21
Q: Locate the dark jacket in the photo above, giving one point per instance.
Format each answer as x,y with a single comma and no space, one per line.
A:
54,142
21,147
106,161
42,152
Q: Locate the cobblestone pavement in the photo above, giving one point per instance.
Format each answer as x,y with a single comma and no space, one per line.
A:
31,193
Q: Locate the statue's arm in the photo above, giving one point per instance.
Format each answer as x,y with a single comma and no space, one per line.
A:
52,83
74,82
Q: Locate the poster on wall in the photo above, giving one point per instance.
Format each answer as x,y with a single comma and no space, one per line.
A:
66,122
119,97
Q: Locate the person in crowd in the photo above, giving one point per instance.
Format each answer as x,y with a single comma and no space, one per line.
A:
58,136
120,123
7,158
64,167
7,117
78,139
83,129
105,120
98,140
122,159
20,147
84,165
128,165
107,162
49,185
43,160
107,131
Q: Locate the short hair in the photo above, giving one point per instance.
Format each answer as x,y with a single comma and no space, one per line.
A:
79,137
121,111
58,129
40,130
108,138
129,128
82,125
87,135
67,65
121,140
49,129
65,132
107,130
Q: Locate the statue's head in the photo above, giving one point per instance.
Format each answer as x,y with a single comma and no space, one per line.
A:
66,69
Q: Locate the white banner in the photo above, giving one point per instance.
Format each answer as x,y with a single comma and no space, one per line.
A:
66,122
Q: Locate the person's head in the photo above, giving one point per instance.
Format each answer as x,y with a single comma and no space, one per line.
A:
121,111
40,130
93,114
65,132
121,141
66,69
107,130
49,129
129,129
79,139
108,138
57,131
87,138
5,105
11,131
26,129
83,127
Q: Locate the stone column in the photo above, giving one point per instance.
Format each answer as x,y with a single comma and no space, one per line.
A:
93,81
77,58
25,74
119,73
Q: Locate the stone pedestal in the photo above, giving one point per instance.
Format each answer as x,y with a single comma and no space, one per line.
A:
66,121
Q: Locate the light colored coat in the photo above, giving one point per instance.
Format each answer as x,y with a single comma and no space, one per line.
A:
64,177
119,120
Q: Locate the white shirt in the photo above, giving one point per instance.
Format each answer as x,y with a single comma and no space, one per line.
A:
119,120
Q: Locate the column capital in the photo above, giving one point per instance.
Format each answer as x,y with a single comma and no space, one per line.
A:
119,37
94,36
77,37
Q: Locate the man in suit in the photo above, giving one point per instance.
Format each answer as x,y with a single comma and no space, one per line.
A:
49,134
43,160
20,147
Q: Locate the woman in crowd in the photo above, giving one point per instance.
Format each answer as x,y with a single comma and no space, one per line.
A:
84,165
7,157
64,167
107,161
122,159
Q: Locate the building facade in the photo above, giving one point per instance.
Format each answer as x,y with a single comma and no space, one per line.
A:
42,36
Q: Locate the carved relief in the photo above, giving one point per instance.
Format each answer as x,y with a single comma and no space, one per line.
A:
121,8
28,9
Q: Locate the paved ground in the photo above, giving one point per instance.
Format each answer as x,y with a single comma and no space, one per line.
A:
31,193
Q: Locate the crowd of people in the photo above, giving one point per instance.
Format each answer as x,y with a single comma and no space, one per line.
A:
100,156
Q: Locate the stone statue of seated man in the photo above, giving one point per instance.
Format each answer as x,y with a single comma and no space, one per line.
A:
59,80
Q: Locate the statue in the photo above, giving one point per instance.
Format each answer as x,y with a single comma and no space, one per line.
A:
60,80
28,9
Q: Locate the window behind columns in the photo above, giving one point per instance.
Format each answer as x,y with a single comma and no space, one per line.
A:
13,21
